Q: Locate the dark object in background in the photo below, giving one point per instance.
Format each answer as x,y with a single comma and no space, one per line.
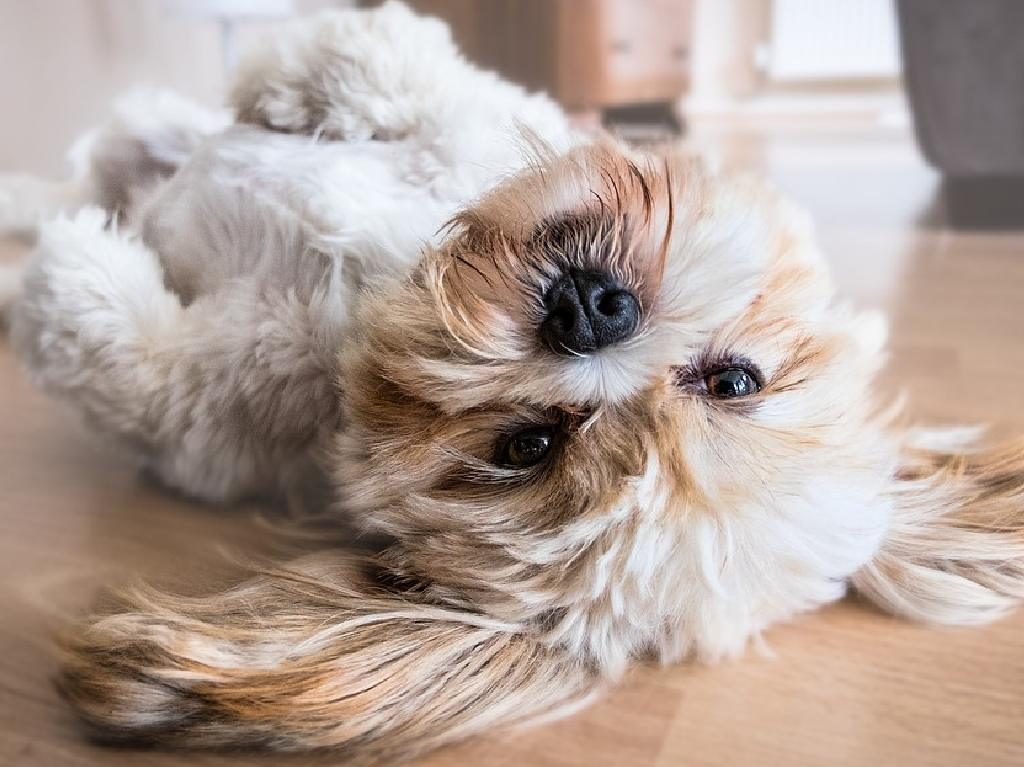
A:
983,202
593,56
963,65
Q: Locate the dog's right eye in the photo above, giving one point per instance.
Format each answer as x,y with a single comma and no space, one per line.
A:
527,447
731,382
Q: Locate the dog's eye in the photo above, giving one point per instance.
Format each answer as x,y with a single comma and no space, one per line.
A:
731,382
527,447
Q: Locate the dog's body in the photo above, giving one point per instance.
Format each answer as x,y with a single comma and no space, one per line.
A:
243,251
609,413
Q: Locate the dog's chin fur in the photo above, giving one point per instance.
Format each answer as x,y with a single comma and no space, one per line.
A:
665,523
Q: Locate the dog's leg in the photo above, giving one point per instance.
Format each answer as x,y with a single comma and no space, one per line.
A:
314,655
955,549
346,74
384,74
217,397
149,134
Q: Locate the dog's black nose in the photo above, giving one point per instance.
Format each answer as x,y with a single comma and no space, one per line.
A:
587,311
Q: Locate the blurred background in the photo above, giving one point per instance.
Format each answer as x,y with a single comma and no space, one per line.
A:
644,68
637,63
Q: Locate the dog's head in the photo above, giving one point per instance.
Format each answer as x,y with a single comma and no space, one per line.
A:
619,400
619,405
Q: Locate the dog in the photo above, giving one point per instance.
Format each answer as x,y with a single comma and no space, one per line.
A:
609,412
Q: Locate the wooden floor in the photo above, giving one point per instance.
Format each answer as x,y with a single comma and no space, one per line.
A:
847,686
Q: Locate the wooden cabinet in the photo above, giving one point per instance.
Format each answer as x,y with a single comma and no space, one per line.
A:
588,54
644,50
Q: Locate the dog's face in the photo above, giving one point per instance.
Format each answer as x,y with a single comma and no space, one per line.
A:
617,404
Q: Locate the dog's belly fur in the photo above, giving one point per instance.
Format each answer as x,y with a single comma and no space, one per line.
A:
258,248
282,212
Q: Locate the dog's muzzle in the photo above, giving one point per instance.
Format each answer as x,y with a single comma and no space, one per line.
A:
587,311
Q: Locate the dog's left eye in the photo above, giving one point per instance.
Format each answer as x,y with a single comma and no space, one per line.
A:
527,447
731,382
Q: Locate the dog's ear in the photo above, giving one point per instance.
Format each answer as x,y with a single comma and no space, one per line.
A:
314,655
954,552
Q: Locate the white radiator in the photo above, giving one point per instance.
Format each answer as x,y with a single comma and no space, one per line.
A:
832,40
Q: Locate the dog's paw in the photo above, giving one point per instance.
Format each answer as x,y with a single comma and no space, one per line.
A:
348,75
91,298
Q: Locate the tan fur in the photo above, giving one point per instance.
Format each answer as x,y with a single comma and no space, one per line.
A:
955,549
313,655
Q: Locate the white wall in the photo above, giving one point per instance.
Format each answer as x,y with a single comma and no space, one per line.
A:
792,53
839,40
63,61
726,35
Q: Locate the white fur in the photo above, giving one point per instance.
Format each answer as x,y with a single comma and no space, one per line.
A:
217,305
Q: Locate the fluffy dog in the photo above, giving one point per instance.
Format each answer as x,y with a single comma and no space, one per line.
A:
609,412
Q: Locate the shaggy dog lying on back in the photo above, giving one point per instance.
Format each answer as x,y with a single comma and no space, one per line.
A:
609,412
